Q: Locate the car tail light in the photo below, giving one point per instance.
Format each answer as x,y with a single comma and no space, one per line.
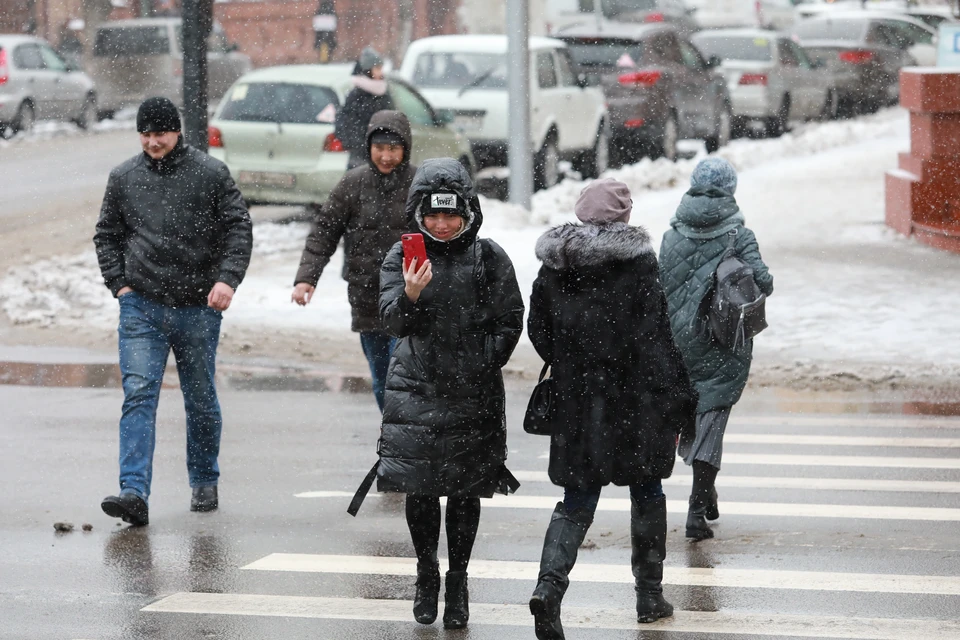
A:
640,78
4,74
654,17
754,78
214,138
856,56
636,123
332,144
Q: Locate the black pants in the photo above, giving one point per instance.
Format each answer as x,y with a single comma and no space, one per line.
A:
423,519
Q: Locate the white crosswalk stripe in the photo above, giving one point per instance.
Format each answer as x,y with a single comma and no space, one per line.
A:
512,615
785,509
812,460
586,572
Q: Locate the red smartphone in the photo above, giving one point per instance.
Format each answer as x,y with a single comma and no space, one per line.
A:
413,247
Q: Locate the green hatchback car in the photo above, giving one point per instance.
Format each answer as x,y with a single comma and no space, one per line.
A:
274,130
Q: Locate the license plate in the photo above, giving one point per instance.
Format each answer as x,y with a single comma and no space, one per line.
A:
467,124
267,179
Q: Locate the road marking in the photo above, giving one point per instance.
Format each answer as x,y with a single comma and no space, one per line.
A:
841,441
773,482
918,422
763,624
585,572
772,509
814,460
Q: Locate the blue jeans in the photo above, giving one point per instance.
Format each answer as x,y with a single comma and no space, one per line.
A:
377,347
588,497
148,331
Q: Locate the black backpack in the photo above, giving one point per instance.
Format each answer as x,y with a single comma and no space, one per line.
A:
736,311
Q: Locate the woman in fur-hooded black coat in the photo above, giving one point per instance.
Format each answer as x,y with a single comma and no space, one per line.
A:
598,316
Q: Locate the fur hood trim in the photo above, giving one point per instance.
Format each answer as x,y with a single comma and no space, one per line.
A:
586,245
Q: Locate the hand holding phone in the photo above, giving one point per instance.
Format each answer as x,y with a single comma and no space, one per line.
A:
417,270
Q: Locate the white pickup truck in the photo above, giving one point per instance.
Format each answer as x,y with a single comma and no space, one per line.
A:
466,77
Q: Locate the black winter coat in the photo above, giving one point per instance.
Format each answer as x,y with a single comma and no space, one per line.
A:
444,424
355,114
173,228
368,210
598,315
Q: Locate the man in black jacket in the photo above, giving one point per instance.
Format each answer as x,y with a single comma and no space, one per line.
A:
173,241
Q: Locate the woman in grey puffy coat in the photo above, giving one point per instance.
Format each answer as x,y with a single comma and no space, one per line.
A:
707,222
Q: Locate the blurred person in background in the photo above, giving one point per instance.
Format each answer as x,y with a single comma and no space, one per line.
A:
368,96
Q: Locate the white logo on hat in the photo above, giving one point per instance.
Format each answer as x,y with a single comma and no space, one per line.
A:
443,201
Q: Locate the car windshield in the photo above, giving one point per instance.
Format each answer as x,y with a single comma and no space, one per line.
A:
602,52
613,8
453,70
281,102
734,48
830,29
132,41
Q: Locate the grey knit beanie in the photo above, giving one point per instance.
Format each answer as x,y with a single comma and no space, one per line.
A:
715,172
369,59
603,201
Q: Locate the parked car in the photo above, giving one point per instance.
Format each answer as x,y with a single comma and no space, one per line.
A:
467,75
861,54
563,14
770,78
135,59
931,15
718,14
659,89
275,131
36,84
900,30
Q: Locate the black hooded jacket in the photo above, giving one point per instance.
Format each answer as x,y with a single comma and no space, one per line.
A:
598,315
367,210
171,229
444,425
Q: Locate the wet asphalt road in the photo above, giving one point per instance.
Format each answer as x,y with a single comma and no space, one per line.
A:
764,576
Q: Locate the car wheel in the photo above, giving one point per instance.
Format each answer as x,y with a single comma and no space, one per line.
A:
666,146
723,132
25,119
777,125
831,106
546,166
597,160
88,114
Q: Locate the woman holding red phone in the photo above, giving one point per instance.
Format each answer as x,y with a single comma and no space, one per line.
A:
457,316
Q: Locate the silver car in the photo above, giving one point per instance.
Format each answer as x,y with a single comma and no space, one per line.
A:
135,59
36,84
770,78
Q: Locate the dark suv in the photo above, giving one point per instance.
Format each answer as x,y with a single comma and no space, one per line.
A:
659,88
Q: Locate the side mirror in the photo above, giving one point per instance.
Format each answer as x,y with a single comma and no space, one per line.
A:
692,10
445,117
582,81
233,47
714,61
817,63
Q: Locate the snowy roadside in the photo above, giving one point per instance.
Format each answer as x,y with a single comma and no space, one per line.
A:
124,120
854,303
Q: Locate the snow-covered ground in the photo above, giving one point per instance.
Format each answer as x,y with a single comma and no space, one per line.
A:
852,298
124,120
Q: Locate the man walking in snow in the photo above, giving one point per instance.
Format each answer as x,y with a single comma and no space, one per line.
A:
173,241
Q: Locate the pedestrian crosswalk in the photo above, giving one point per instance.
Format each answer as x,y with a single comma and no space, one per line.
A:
894,587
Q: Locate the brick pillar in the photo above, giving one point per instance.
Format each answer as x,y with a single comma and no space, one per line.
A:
923,194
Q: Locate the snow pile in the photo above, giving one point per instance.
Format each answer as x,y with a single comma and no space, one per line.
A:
47,129
62,290
270,238
660,174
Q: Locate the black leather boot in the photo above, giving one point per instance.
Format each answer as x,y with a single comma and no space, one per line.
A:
456,605
704,476
428,592
561,544
204,499
129,507
648,538
713,510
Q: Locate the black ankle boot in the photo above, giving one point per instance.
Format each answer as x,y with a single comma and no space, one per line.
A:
713,510
456,605
704,476
561,544
648,538
428,592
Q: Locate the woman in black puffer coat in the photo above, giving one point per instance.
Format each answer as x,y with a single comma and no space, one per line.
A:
457,319
598,316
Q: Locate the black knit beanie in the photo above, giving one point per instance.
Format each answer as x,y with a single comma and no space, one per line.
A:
157,115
